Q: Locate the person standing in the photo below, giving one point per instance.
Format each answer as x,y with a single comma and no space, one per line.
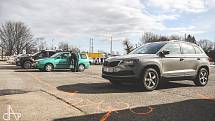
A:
74,61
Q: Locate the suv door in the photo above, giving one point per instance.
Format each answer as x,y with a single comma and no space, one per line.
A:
63,61
190,60
171,63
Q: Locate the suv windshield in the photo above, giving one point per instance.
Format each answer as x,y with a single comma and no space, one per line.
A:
149,48
36,53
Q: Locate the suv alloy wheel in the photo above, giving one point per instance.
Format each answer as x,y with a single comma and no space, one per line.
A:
150,79
202,77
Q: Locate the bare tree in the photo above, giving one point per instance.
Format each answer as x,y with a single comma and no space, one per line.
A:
175,37
42,45
15,37
64,46
163,38
128,46
74,48
151,37
206,45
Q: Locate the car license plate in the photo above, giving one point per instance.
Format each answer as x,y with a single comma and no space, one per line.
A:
109,69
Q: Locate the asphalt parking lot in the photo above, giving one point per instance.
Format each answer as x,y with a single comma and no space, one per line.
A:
63,95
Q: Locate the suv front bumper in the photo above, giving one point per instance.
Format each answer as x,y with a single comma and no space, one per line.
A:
126,74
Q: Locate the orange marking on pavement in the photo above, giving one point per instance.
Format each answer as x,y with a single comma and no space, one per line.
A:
143,113
126,105
73,93
107,115
206,97
98,104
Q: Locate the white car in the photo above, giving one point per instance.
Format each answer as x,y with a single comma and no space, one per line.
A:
12,59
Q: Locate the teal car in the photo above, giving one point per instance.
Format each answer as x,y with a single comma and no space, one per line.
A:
62,60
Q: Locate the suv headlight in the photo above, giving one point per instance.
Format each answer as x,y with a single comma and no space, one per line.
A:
130,62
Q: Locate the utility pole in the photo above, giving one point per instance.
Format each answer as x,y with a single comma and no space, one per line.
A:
91,45
111,45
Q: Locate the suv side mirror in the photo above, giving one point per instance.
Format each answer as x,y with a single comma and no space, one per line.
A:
164,52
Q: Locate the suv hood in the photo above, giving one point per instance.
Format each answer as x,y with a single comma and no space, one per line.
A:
24,55
132,56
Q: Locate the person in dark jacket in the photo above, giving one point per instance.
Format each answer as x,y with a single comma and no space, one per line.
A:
74,61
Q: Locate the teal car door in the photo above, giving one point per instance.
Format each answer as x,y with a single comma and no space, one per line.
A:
63,61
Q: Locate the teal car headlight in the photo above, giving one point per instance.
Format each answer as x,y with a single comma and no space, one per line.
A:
130,61
36,62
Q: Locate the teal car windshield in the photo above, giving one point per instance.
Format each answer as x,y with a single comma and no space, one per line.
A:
83,56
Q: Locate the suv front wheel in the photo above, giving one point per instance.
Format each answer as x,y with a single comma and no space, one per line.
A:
27,65
202,77
150,79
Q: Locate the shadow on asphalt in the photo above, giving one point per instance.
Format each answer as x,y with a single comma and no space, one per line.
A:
8,67
188,110
37,70
12,92
95,88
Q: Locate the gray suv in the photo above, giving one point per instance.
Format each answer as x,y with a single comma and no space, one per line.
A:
159,61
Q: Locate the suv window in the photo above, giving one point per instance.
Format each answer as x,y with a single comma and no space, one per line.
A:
187,49
173,48
198,51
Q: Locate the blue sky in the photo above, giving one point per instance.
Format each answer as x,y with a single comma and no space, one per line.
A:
75,21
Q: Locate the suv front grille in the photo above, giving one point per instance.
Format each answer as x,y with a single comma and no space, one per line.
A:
111,64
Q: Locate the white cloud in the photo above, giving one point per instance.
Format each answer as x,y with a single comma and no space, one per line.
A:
195,6
69,19
72,19
182,30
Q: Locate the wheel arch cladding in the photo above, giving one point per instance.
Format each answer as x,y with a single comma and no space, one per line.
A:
156,67
206,67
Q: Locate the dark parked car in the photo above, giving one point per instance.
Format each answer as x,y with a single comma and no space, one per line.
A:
26,61
159,61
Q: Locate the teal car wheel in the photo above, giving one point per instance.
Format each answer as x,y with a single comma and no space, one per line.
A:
48,67
81,68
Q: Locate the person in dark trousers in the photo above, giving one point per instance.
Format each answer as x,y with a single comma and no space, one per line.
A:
74,61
